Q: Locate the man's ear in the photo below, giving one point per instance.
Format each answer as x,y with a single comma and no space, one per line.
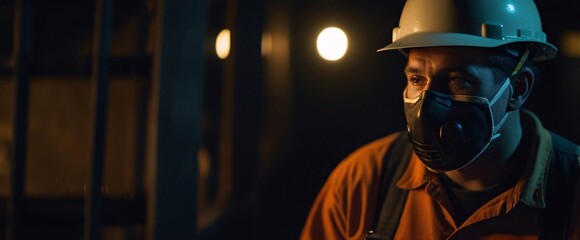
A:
522,87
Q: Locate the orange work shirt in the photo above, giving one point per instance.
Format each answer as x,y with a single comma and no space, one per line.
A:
346,205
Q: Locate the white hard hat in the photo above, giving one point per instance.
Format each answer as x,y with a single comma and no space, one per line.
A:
474,23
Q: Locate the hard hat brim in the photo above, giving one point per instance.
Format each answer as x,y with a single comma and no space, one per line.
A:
431,39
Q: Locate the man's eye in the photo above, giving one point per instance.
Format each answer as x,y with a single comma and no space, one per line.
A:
416,80
459,82
456,80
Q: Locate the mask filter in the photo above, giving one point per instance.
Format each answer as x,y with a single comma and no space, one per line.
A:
449,131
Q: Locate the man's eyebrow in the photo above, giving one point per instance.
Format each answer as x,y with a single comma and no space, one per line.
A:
463,69
410,69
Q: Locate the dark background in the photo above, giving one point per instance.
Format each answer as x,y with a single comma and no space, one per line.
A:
274,126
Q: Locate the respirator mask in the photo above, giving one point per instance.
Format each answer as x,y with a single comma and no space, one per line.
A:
450,131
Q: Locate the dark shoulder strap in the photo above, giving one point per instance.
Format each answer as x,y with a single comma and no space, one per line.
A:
391,199
554,220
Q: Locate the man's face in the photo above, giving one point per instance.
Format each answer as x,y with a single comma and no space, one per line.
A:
450,70
450,131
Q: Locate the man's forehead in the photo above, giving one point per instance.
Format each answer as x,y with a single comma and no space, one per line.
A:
447,55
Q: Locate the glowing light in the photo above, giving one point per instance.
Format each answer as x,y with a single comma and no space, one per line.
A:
266,44
571,44
332,43
222,44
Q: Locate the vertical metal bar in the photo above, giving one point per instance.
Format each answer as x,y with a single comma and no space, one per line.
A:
177,89
101,48
143,96
141,136
248,95
21,54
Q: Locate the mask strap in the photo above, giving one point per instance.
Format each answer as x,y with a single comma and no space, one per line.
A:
503,88
498,126
499,92
522,60
507,82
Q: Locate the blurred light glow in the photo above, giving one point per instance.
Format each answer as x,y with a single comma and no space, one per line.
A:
571,44
332,43
266,44
222,44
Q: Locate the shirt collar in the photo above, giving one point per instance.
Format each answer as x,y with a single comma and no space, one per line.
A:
416,174
532,185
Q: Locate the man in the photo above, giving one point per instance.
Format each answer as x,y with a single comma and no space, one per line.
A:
481,167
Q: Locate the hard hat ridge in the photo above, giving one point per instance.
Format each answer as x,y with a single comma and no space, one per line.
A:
474,23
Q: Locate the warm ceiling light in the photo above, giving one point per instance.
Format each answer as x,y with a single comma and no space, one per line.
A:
222,44
332,43
266,44
571,44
